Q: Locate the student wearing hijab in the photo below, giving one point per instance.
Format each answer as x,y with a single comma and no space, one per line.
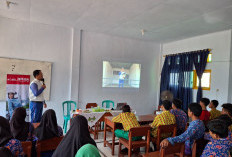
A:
48,127
4,152
77,136
88,150
6,139
21,129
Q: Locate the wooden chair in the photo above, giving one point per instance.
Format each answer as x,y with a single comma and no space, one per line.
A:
178,148
120,105
90,105
47,145
27,146
157,109
187,125
135,132
198,147
164,129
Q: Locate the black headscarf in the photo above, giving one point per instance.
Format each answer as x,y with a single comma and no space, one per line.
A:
19,127
48,127
77,136
5,152
5,133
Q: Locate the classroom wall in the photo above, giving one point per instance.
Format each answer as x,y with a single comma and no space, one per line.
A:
230,72
62,47
98,47
220,43
35,41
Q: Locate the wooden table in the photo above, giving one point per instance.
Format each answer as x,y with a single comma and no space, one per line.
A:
96,128
143,119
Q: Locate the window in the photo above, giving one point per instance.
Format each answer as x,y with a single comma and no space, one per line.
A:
174,79
205,80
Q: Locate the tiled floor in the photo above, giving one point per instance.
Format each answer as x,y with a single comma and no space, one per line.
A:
106,151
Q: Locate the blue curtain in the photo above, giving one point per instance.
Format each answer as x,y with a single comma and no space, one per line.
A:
176,76
200,61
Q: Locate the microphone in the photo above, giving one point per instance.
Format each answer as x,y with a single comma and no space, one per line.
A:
43,81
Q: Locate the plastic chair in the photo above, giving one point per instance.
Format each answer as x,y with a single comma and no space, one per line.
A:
67,116
108,103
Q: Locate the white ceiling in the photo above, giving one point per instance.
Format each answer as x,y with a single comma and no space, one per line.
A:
162,20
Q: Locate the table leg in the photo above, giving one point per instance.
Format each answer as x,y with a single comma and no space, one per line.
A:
113,142
105,134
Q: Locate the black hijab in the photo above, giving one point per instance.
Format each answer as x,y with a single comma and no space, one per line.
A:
19,127
77,136
5,133
48,127
5,152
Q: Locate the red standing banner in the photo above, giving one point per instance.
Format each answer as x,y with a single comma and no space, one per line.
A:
17,93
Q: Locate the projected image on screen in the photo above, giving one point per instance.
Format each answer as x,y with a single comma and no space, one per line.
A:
121,75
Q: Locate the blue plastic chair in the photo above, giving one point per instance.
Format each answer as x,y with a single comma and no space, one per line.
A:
108,104
67,117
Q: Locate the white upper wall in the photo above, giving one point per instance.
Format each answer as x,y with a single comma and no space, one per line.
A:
34,41
99,47
220,43
61,46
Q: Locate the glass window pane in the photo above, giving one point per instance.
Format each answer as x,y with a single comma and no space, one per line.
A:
209,59
205,80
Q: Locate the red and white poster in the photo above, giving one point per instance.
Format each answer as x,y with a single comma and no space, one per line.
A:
17,93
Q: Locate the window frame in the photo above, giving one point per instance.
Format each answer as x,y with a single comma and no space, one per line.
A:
195,86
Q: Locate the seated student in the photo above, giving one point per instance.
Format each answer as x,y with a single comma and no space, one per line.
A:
165,118
48,128
181,116
20,129
128,120
227,121
77,136
4,152
219,144
204,102
195,130
7,140
214,113
88,150
227,109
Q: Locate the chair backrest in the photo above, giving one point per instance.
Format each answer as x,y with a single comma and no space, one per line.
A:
198,147
173,149
89,105
120,105
108,103
46,145
27,146
165,129
68,105
140,131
